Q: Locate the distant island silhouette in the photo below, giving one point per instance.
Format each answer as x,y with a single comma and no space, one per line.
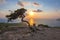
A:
58,19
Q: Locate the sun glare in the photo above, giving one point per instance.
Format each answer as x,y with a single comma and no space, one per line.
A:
31,21
30,17
31,13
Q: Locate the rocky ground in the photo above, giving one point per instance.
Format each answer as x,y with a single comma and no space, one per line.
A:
24,33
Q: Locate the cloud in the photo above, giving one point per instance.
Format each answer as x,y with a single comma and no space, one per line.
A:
36,4
38,10
2,1
22,4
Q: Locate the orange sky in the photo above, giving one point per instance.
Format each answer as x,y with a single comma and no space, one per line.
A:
40,15
45,15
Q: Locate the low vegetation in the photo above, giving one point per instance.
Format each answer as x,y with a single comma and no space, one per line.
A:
5,26
43,25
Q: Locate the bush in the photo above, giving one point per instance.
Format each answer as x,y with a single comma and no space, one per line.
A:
43,25
46,26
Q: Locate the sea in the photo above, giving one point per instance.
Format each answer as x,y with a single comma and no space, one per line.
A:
49,22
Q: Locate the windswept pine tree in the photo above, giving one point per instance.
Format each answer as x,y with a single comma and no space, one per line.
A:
17,13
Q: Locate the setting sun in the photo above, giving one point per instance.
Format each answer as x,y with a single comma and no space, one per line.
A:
31,13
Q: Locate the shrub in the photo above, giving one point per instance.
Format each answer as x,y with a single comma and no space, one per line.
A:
43,25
